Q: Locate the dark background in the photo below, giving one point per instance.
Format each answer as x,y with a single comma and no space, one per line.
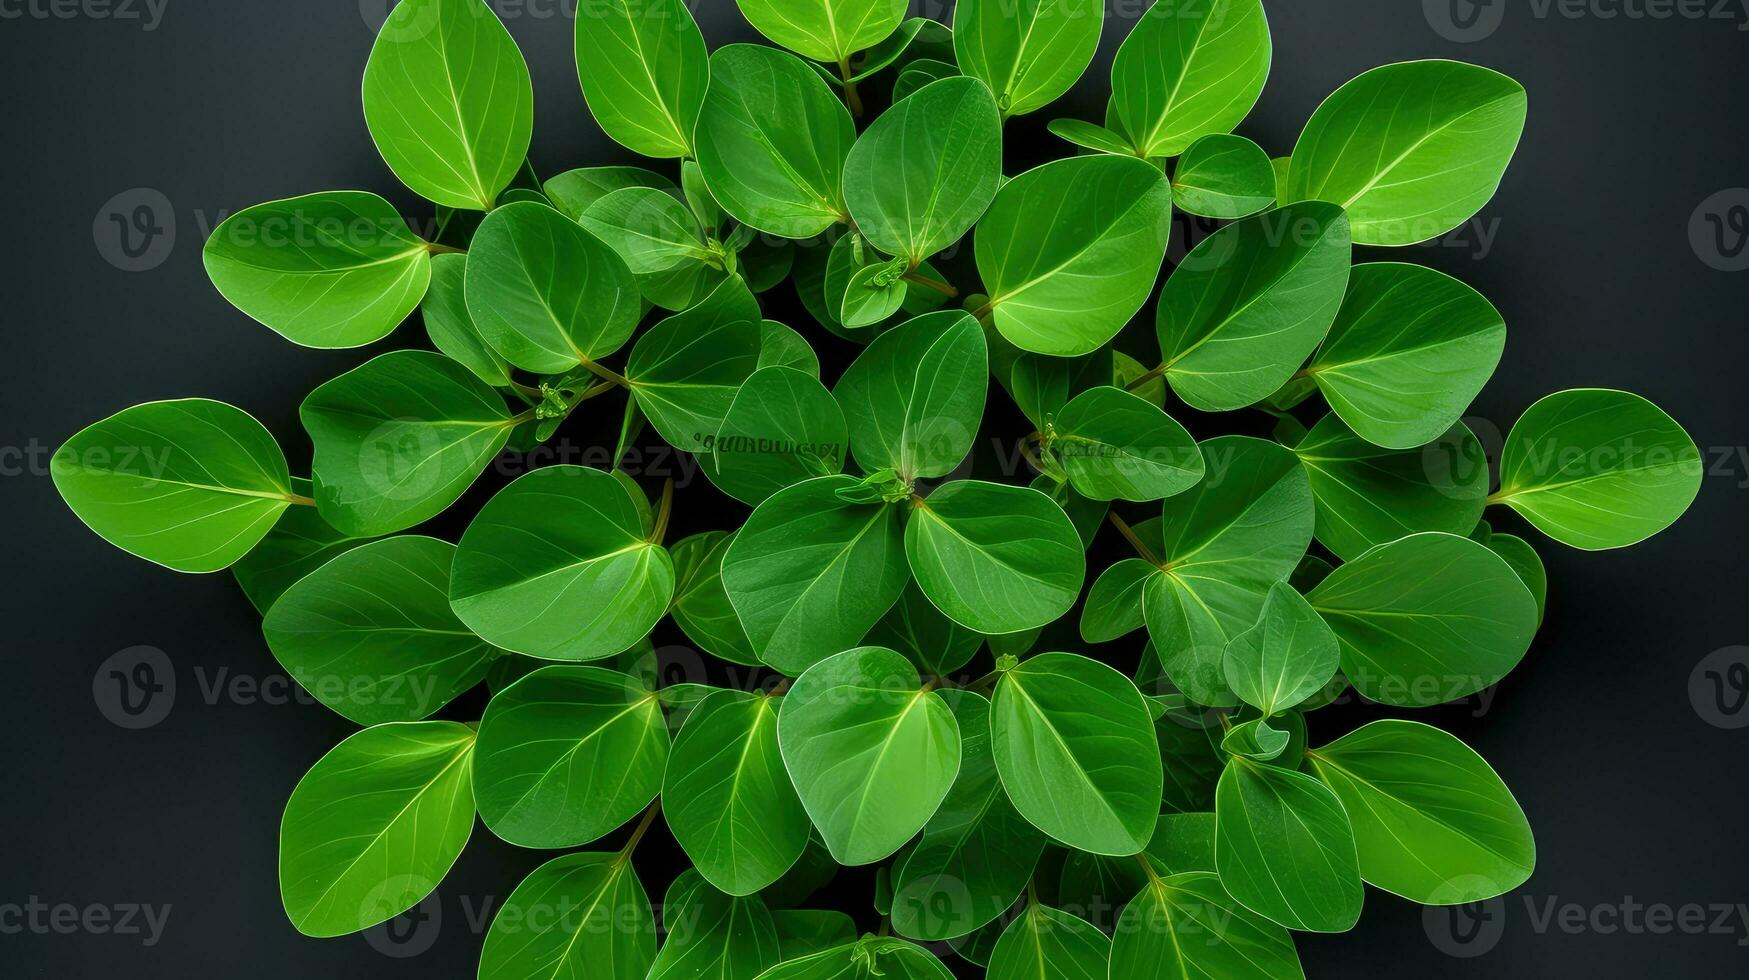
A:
1629,771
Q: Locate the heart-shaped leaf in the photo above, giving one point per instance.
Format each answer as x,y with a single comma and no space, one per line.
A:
557,565
1409,351
1411,150
1029,54
871,754
609,934
1596,469
449,101
1066,287
825,30
1286,658
1432,820
995,558
335,269
772,141
644,71
1075,746
711,934
1285,849
925,171
913,398
371,634
685,370
782,428
568,754
374,826
811,572
728,798
1427,619
546,294
451,327
1187,927
1046,944
399,438
1189,68
1115,446
1223,176
1246,307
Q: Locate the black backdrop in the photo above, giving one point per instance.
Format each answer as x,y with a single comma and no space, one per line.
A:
1598,250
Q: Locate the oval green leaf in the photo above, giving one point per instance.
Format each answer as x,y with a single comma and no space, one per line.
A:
914,397
1029,54
1115,446
1189,68
686,370
1046,944
825,30
644,71
1186,927
451,327
1284,848
782,428
607,933
1223,176
995,558
1286,658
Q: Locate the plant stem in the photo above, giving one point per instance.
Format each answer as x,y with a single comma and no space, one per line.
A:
300,500
663,509
592,391
940,287
1147,866
638,834
603,373
1498,497
1135,542
778,689
1144,379
851,95
436,249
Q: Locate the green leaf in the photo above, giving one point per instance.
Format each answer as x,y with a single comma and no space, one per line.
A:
916,38
976,853
374,825
772,141
995,558
299,543
1224,543
557,566
1042,386
1066,287
335,269
1286,658
1410,150
925,171
1407,354
1369,496
1046,944
1075,745
1186,927
644,71
1114,605
400,438
1184,842
1285,849
919,74
1255,740
1115,446
1086,514
1432,821
1427,619
191,484
686,369
803,932
728,798
1223,176
916,628
825,30
371,634
870,753
1246,307
1092,136
915,396
451,327
649,229
1030,53
546,294
810,572
701,606
873,293
607,931
781,346
1189,68
782,428
449,102
713,936
869,958
1515,550
568,754
1597,469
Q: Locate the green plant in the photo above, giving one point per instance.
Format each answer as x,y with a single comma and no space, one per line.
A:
873,578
